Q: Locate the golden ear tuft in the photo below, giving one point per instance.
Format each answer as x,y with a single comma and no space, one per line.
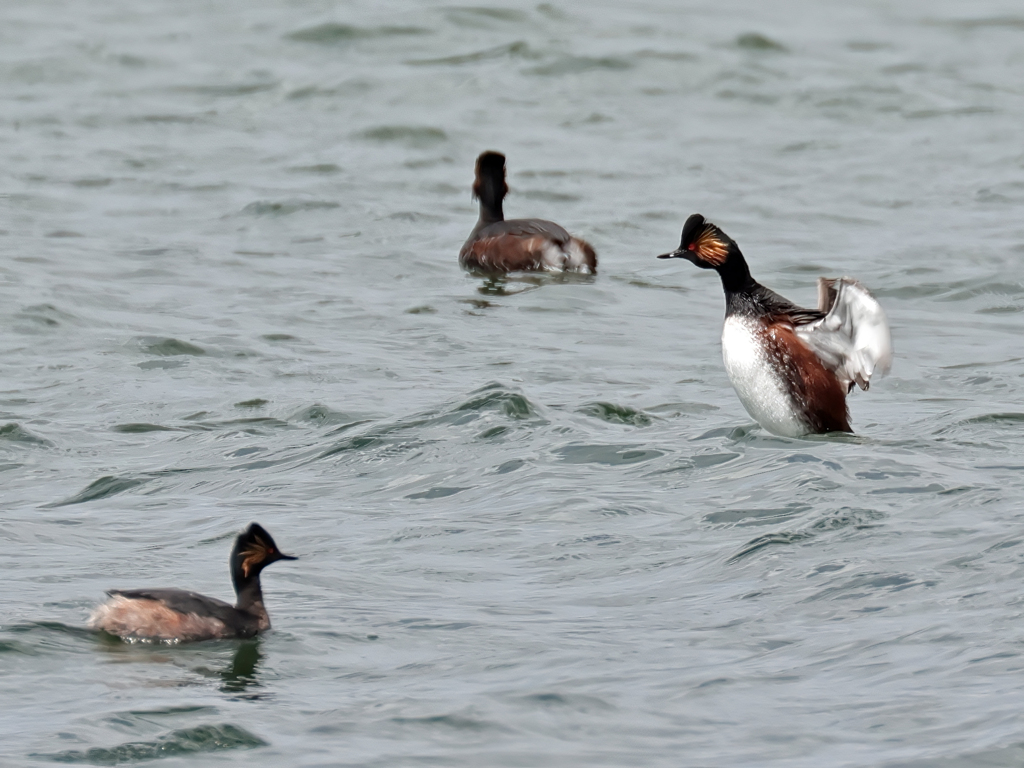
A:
710,248
255,554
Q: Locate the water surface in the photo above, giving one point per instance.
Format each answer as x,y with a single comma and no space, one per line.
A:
535,525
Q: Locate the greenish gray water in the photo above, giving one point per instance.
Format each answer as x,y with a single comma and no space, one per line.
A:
535,525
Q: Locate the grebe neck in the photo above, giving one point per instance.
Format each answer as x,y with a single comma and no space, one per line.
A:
735,273
250,597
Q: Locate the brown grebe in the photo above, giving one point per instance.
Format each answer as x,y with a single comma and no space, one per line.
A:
175,615
500,245
791,367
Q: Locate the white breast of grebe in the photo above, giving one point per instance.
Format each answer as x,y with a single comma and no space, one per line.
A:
757,382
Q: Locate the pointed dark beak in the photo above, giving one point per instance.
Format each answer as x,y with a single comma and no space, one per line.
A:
281,556
678,253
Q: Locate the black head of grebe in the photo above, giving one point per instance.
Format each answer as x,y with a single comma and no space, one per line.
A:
254,550
500,245
490,186
792,367
176,615
709,247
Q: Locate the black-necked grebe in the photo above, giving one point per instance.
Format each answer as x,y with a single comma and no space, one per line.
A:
497,245
174,615
791,367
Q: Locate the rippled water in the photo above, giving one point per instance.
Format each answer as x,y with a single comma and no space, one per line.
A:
535,525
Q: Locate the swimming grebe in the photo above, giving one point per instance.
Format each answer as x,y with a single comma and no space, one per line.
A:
174,615
497,245
791,367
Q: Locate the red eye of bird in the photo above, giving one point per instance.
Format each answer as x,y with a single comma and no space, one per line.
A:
691,247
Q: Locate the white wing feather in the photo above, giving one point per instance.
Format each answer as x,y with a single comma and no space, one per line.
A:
853,338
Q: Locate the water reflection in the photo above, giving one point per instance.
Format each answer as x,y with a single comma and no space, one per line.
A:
234,663
240,675
520,282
